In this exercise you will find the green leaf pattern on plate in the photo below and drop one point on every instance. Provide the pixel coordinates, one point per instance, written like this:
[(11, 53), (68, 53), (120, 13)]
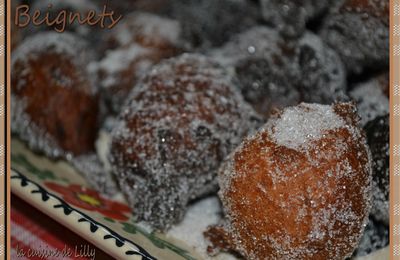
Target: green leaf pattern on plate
[(21, 160), (44, 174), (109, 219), (158, 242)]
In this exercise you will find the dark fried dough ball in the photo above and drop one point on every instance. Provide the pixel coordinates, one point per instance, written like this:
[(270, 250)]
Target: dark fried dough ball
[(378, 140), (211, 23), (140, 41), (322, 73), (274, 73), (359, 31), (290, 16), (299, 188), (375, 237), (178, 124), (264, 65), (54, 103), (372, 98)]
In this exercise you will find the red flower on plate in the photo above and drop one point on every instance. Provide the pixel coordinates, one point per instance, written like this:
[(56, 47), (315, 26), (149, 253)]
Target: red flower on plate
[(89, 199)]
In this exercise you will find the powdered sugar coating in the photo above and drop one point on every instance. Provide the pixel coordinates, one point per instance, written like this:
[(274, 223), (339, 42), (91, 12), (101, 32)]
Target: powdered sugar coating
[(139, 42), (312, 202), (96, 174), (371, 100), (118, 60), (257, 41), (118, 71), (199, 216), (146, 29), (63, 44), (176, 127)]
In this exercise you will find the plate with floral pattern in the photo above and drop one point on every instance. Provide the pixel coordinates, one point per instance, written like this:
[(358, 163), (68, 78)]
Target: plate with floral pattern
[(56, 189)]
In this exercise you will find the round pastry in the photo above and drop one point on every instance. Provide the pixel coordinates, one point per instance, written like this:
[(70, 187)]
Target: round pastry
[(372, 98), (290, 16), (211, 23), (300, 187), (54, 103), (264, 65), (176, 127), (139, 42), (322, 73), (378, 140), (359, 31), (274, 73)]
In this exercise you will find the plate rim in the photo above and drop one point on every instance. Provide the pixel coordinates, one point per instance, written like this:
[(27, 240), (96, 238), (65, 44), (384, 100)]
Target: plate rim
[(35, 194)]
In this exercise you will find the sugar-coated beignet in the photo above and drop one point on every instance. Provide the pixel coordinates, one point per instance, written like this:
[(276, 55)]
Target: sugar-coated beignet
[(300, 187), (358, 30), (140, 41), (176, 128), (274, 73), (54, 102)]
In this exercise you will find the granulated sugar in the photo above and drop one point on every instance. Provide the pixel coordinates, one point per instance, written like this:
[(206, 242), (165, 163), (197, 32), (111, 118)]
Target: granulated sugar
[(200, 215), (296, 126), (371, 101)]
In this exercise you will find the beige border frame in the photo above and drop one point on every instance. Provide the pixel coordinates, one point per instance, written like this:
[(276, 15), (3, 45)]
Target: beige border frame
[(4, 184), (8, 131), (394, 128)]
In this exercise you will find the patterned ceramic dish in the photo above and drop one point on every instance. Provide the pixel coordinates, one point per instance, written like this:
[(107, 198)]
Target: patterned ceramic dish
[(58, 191)]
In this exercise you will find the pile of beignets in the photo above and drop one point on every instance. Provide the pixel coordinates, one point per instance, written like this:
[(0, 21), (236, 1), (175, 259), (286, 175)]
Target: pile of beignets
[(280, 107)]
